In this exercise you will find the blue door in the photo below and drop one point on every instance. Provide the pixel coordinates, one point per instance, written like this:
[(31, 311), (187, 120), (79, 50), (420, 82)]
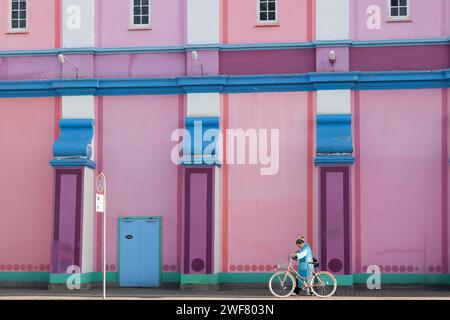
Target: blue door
[(140, 252)]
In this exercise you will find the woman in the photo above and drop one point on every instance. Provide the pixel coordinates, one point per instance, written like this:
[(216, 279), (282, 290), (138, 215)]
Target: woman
[(304, 257)]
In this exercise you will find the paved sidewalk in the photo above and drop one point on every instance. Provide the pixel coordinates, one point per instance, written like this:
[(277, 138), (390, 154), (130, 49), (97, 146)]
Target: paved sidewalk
[(357, 293)]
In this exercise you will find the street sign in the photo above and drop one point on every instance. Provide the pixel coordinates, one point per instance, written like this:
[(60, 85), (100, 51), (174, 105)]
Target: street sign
[(100, 206), (100, 183), (100, 203)]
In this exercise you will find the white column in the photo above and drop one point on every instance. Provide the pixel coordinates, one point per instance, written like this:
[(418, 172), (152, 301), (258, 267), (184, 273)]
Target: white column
[(203, 105), (78, 23), (203, 18), (333, 102), (208, 105), (332, 19), (82, 107)]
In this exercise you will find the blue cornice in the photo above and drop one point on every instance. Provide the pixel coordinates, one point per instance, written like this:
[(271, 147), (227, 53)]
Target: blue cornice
[(67, 163), (334, 160), (230, 47), (228, 84)]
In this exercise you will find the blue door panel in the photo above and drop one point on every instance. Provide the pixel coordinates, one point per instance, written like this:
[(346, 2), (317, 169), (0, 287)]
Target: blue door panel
[(140, 256)]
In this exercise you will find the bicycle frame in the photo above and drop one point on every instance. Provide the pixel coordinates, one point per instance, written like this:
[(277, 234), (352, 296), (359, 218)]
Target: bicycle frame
[(303, 280), (314, 283)]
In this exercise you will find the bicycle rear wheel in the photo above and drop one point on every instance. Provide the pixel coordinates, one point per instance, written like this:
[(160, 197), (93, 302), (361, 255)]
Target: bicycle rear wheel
[(282, 284), (323, 284)]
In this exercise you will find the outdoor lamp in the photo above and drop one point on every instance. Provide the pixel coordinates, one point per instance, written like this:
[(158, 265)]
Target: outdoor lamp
[(196, 58), (332, 57), (62, 59)]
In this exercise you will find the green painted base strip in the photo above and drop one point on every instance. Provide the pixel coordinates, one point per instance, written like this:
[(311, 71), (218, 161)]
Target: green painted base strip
[(24, 277), (244, 277), (344, 280), (85, 277), (392, 278), (171, 277), (199, 278)]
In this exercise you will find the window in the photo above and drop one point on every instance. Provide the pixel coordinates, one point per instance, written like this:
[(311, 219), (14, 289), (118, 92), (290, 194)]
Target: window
[(399, 9), (140, 14), (267, 11), (18, 15)]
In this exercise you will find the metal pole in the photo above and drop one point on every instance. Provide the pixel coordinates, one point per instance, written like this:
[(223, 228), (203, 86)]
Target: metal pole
[(104, 240)]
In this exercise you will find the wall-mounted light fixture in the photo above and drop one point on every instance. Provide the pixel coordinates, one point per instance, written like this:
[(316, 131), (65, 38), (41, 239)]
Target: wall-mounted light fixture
[(332, 57), (62, 59), (196, 58)]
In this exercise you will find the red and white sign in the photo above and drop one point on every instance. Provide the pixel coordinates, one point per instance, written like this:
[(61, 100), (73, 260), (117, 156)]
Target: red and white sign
[(100, 188)]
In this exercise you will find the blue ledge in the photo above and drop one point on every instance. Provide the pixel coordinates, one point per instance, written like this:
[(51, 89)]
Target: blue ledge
[(229, 47), (200, 161), (392, 80), (203, 136), (334, 160), (72, 162), (334, 134), (75, 138)]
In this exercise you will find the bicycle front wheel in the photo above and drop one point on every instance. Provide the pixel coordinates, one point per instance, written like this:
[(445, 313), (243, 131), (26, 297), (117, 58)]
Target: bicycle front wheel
[(323, 284), (282, 284)]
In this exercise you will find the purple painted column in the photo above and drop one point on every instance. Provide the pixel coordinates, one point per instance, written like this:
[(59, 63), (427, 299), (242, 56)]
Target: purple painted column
[(67, 219), (198, 244), (335, 219)]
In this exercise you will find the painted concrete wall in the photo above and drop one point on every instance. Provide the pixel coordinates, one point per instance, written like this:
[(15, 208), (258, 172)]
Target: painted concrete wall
[(167, 24), (41, 27), (266, 214), (78, 23), (419, 26), (401, 136), (242, 23), (142, 180), (203, 21), (26, 138), (332, 19)]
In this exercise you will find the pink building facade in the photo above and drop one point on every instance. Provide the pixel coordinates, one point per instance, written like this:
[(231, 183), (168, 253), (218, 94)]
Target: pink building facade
[(339, 109)]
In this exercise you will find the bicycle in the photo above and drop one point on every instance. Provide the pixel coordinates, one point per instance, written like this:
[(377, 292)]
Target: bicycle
[(282, 283)]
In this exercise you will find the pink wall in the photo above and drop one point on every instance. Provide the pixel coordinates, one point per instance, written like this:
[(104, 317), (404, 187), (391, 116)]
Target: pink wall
[(142, 180), (141, 65), (41, 24), (268, 213), (113, 20), (242, 23), (26, 138), (401, 136), (428, 19)]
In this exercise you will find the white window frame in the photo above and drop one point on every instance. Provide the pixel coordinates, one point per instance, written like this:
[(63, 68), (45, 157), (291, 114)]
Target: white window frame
[(27, 20), (400, 18), (267, 22), (140, 26)]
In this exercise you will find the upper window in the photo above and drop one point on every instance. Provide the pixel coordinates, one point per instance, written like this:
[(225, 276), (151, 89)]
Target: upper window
[(18, 19), (399, 9), (267, 11), (140, 13)]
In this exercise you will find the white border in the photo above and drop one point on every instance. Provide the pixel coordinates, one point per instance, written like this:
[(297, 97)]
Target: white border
[(399, 18), (18, 30), (264, 22), (147, 26)]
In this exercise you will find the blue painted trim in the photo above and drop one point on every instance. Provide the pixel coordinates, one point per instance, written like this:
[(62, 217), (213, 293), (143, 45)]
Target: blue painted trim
[(187, 161), (72, 162), (334, 134), (334, 160), (228, 84), (402, 42), (229, 47), (75, 138), (267, 46), (73, 147)]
